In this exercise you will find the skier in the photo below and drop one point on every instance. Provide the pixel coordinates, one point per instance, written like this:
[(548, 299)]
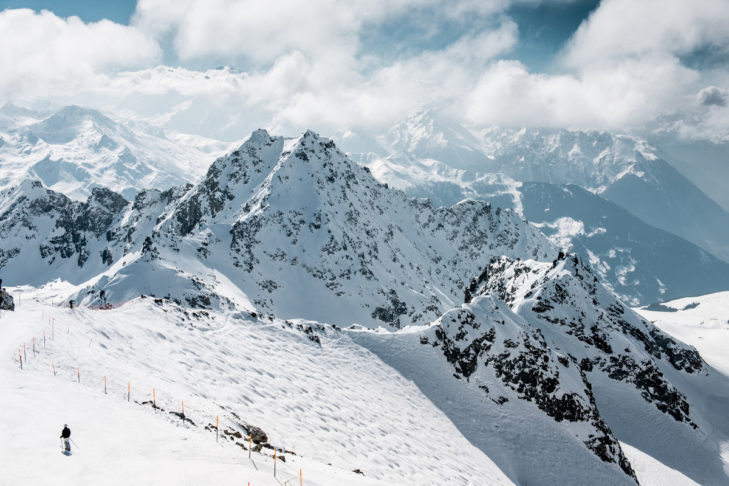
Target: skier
[(66, 438)]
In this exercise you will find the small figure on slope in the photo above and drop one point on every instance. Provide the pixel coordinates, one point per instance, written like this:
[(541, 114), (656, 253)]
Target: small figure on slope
[(66, 439)]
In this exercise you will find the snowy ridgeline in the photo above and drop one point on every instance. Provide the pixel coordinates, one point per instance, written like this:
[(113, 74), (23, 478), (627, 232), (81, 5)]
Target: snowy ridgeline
[(276, 224), (414, 343)]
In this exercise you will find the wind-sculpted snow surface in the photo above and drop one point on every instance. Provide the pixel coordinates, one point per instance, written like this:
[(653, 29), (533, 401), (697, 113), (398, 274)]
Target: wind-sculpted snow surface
[(330, 406)]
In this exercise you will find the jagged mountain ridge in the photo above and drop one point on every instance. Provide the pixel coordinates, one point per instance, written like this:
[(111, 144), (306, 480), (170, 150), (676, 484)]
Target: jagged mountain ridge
[(635, 370), (285, 222), (548, 336), (510, 394), (642, 264), (300, 211)]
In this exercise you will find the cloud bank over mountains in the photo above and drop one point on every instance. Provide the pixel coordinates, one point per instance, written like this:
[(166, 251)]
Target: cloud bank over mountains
[(652, 65)]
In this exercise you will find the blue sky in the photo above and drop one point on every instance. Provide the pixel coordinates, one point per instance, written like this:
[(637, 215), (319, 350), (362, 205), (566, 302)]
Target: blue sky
[(119, 11), (335, 65)]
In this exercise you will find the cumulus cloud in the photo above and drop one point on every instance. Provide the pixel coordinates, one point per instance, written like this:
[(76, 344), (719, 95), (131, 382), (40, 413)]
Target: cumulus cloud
[(305, 65), (713, 96), (262, 31), (621, 29), (43, 53)]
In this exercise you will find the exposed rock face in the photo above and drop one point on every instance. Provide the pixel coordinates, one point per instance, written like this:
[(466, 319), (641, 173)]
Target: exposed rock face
[(301, 209), (565, 300), (485, 342), (6, 301)]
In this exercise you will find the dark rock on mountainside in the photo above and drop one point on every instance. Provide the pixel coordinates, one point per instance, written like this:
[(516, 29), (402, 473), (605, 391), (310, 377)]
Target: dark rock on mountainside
[(564, 298)]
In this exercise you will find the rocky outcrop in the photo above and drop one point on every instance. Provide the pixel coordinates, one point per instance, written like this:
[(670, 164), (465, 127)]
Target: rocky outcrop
[(508, 357), (6, 301), (565, 300)]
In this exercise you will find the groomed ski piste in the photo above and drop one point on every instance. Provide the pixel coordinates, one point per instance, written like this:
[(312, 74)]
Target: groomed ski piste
[(329, 408)]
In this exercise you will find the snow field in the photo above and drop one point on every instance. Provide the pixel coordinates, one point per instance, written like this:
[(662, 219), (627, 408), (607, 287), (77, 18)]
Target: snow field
[(702, 322), (331, 404)]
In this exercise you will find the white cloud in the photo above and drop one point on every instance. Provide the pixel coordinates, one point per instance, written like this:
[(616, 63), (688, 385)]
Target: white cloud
[(262, 31), (303, 91), (307, 68), (42, 53), (621, 29), (621, 70), (713, 96)]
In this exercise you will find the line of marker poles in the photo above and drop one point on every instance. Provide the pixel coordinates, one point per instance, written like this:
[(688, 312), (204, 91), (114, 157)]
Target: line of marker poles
[(154, 395), (182, 403)]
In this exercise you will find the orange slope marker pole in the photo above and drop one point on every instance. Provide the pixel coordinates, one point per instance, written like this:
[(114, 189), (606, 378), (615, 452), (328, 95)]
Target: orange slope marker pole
[(274, 462), (250, 441), (183, 407), (104, 384), (78, 374), (301, 478), (217, 427), (53, 366), (25, 355), (154, 398), (20, 357)]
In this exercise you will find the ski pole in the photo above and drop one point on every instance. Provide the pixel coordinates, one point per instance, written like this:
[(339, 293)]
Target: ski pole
[(75, 444)]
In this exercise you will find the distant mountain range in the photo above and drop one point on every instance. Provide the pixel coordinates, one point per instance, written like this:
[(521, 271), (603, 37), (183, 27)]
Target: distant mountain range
[(75, 149), (620, 168)]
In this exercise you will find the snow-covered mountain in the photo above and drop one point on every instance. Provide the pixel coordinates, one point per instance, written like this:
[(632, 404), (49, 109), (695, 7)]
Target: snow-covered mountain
[(633, 368), (74, 149), (640, 263), (285, 222), (537, 364), (621, 168)]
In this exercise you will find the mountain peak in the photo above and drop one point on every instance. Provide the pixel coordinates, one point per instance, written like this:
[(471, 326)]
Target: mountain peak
[(259, 135)]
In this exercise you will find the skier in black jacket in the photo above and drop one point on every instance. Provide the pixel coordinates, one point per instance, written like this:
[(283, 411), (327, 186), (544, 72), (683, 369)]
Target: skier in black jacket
[(66, 437)]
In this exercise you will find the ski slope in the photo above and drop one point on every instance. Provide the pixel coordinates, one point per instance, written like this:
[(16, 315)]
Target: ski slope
[(334, 404)]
